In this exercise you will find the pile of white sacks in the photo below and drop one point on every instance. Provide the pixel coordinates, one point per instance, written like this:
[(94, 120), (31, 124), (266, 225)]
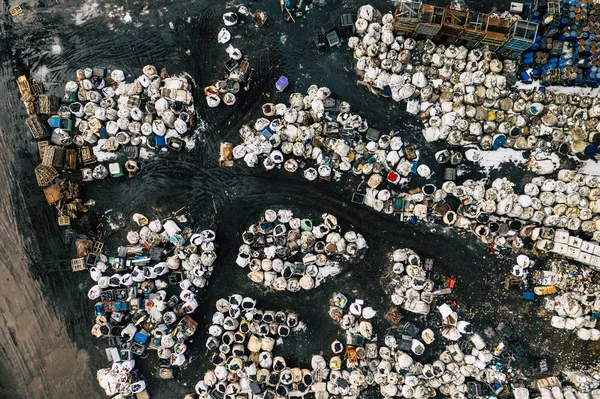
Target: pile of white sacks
[(465, 95), (244, 362), (241, 342), (284, 252), (574, 312), (320, 135), (111, 112), (570, 201), (164, 317)]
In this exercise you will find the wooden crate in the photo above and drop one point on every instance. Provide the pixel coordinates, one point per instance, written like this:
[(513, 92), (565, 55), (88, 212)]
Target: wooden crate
[(78, 264), (36, 127), (64, 221), (70, 159), (45, 175), (48, 104), (53, 194), (87, 156), (16, 10), (42, 147), (48, 157), (98, 245)]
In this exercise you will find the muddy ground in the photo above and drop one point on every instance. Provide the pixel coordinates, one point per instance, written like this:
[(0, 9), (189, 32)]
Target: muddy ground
[(47, 350)]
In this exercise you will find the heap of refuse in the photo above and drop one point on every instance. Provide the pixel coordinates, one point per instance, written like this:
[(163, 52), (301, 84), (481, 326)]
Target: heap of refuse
[(320, 135), (146, 293), (284, 252), (500, 216), (241, 341), (242, 338), (65, 197), (465, 96), (106, 113), (410, 286)]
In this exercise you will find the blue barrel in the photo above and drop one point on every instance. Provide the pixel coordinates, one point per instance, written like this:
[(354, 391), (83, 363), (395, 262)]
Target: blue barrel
[(499, 141), (590, 151), (525, 76), (573, 34)]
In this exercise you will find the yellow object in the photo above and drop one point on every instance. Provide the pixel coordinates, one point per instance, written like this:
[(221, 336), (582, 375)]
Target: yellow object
[(16, 10), (491, 115), (545, 290)]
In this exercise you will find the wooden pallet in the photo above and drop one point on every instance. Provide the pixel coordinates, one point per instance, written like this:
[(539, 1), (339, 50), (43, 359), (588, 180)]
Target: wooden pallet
[(45, 175), (98, 245)]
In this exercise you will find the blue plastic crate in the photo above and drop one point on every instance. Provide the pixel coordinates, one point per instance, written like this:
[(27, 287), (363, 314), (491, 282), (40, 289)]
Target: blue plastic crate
[(281, 83), (530, 296), (140, 338)]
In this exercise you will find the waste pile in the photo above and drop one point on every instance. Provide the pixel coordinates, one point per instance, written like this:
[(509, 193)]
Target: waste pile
[(102, 112), (465, 96), (391, 367), (410, 286), (320, 135), (241, 342), (284, 252), (242, 338), (237, 65), (499, 215), (65, 197), (146, 293)]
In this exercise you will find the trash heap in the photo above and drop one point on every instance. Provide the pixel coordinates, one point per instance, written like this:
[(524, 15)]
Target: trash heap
[(65, 197), (241, 342), (465, 96), (320, 135), (284, 252), (500, 216), (106, 113), (391, 367), (410, 286), (237, 66), (146, 293), (242, 338)]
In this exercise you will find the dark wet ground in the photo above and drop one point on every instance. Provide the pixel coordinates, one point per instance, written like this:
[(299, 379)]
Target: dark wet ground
[(236, 196)]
